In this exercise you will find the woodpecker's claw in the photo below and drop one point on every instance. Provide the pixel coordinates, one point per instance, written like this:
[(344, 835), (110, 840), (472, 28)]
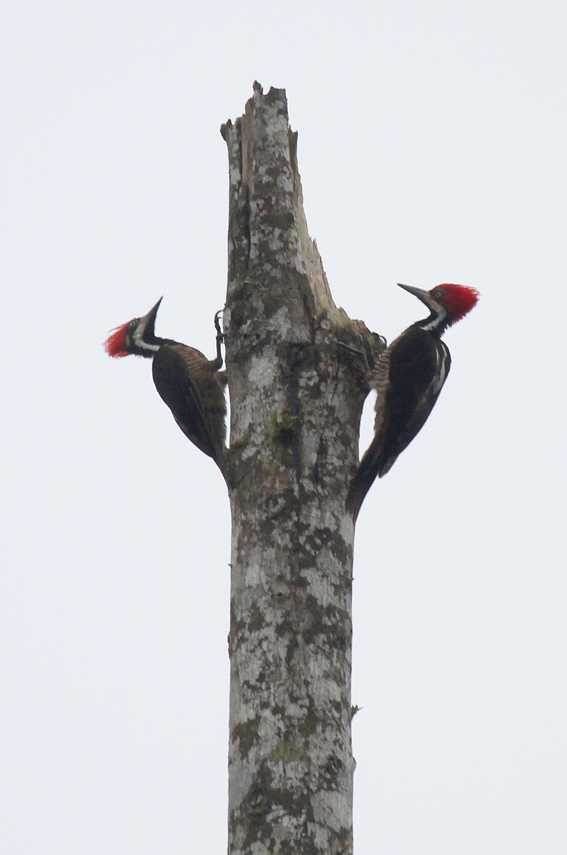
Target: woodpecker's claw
[(220, 338), (218, 326), (361, 353)]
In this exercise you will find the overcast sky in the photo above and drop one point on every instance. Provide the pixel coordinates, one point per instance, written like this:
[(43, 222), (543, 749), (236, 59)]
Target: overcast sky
[(432, 148)]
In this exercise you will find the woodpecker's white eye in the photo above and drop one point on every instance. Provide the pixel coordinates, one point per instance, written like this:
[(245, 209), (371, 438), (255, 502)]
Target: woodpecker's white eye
[(437, 294), (133, 323)]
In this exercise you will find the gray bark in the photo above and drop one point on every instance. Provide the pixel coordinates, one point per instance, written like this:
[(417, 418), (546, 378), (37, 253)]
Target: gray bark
[(296, 366)]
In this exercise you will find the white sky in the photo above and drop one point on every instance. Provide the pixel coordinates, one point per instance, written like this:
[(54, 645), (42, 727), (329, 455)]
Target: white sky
[(432, 146)]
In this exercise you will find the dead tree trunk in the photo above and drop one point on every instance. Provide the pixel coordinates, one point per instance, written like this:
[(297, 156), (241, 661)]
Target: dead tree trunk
[(296, 366)]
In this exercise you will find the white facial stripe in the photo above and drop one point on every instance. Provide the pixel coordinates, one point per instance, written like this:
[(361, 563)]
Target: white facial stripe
[(438, 319), (143, 345)]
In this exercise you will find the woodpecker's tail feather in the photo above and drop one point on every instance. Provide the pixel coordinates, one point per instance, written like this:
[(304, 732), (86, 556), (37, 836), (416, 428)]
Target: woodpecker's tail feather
[(369, 468)]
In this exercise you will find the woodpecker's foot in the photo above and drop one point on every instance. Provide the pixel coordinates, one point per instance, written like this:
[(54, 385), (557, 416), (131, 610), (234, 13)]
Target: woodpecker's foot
[(220, 338), (220, 334), (359, 353)]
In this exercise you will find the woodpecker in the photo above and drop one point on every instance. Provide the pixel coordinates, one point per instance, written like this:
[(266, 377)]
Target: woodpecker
[(408, 379), (191, 385)]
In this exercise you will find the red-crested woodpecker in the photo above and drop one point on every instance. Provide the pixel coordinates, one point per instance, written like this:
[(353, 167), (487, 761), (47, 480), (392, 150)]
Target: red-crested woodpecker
[(407, 379), (191, 385)]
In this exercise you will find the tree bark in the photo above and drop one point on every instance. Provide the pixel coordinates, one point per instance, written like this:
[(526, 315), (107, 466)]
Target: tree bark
[(296, 370)]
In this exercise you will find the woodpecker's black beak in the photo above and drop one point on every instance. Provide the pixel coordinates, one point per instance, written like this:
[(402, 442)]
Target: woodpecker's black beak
[(148, 322), (424, 296), (417, 292)]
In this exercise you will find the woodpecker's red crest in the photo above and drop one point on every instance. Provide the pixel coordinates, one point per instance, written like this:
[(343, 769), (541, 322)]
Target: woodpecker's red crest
[(115, 344), (457, 299)]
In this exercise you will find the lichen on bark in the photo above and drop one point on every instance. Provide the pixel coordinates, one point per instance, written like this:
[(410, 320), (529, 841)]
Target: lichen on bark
[(296, 366)]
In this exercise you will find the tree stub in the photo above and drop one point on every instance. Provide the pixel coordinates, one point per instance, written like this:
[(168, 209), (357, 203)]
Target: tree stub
[(296, 366)]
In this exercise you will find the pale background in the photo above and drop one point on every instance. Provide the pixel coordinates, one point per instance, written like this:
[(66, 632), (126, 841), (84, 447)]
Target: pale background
[(432, 146)]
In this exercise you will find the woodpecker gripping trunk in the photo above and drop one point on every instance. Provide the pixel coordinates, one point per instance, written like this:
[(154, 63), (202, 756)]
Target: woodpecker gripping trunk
[(408, 379), (191, 385)]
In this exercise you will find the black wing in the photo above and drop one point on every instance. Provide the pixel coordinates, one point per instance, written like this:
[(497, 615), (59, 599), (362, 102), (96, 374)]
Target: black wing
[(408, 379), (187, 383), (419, 366)]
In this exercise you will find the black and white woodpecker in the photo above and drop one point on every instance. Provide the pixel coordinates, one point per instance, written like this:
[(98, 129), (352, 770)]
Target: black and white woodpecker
[(191, 385), (408, 379)]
